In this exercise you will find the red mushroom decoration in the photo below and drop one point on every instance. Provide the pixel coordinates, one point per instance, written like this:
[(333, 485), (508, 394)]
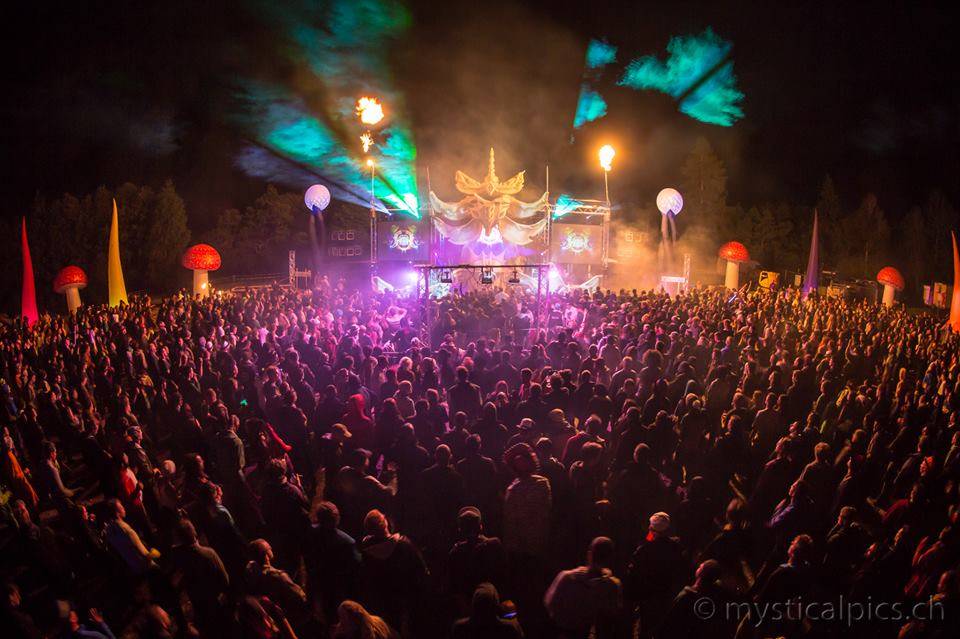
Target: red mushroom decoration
[(892, 282), (201, 258), (68, 282), (734, 253)]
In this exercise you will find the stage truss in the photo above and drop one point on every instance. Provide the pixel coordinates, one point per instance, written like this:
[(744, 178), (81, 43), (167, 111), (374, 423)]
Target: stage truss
[(424, 286)]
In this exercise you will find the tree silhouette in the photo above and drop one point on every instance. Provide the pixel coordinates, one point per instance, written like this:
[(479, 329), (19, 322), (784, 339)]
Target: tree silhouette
[(704, 186)]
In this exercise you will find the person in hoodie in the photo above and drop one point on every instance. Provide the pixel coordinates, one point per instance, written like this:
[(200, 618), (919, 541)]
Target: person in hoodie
[(485, 620), (358, 423), (393, 573), (586, 599)]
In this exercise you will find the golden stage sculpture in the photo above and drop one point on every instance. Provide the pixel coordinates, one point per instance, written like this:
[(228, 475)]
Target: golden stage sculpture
[(489, 213)]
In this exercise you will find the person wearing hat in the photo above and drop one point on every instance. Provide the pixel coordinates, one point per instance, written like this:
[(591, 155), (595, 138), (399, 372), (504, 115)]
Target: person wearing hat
[(657, 570), (331, 450)]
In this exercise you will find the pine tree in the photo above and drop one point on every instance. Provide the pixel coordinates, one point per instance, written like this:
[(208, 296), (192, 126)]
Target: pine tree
[(704, 186), (866, 232), (769, 231), (940, 218), (829, 214), (166, 238), (916, 249), (255, 240)]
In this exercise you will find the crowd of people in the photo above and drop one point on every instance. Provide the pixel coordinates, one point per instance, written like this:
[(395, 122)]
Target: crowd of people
[(336, 463)]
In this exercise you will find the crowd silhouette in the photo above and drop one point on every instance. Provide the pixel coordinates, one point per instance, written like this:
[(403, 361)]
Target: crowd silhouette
[(335, 463)]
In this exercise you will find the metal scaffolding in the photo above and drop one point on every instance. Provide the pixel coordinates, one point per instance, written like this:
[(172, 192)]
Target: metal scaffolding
[(543, 286)]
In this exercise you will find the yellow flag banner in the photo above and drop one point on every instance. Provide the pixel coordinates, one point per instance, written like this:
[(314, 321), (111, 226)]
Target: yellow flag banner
[(118, 291)]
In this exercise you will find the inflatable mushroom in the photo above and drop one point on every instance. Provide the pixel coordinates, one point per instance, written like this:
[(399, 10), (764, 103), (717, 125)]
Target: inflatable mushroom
[(734, 253), (201, 258), (892, 282), (68, 282)]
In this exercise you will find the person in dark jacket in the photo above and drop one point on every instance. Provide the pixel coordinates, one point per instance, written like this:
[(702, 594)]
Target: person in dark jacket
[(485, 620), (394, 574), (281, 501), (657, 570), (685, 620), (444, 491), (479, 475), (586, 600), (464, 395), (636, 492), (221, 531), (332, 560), (475, 558), (264, 579), (202, 573), (13, 618)]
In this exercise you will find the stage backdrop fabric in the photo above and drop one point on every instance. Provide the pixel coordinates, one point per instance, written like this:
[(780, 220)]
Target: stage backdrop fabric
[(577, 243), (401, 239)]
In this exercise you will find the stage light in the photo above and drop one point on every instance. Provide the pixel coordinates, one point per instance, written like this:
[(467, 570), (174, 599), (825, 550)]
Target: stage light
[(413, 277), (554, 278), (445, 276), (486, 276), (369, 110), (370, 162), (515, 278), (606, 155)]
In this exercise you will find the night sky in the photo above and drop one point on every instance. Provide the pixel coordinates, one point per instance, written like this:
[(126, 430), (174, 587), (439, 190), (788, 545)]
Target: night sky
[(108, 92)]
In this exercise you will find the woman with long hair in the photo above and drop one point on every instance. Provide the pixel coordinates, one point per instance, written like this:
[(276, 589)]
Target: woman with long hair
[(354, 622)]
